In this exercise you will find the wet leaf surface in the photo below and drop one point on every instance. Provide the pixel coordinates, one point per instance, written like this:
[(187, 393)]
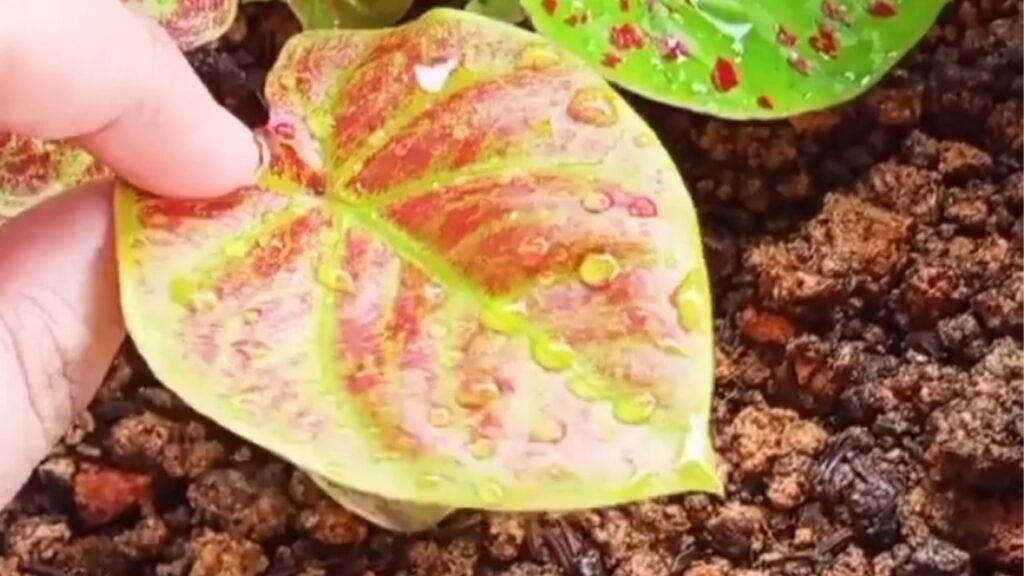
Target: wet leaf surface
[(738, 59), (471, 277)]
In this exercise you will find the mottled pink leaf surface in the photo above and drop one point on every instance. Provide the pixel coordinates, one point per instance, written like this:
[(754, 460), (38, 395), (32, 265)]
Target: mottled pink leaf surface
[(190, 23), (470, 277), (32, 170)]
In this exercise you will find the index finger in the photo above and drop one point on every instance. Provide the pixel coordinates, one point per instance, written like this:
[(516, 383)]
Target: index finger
[(96, 73)]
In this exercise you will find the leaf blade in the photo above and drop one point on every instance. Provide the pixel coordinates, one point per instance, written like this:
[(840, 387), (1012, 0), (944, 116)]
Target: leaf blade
[(393, 361)]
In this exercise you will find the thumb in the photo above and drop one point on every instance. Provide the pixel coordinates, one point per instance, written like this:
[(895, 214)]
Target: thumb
[(60, 322)]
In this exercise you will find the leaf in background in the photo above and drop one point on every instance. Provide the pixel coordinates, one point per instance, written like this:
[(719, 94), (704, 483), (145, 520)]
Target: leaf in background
[(191, 23), (470, 277), (505, 10), (322, 14), (736, 59), (32, 170)]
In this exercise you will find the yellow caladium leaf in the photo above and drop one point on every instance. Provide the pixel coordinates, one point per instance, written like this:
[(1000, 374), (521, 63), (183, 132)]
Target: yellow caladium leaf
[(470, 276)]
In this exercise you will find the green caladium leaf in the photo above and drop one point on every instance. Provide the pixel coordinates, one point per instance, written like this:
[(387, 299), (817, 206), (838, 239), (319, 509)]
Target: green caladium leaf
[(322, 14), (394, 515), (736, 59), (505, 10), (32, 170), (470, 276)]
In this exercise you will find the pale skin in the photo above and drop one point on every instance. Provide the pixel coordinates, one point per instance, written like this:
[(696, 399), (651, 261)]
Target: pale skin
[(94, 72)]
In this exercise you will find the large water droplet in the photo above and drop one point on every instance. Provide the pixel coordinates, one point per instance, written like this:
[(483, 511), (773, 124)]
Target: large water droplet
[(636, 409), (552, 355), (482, 448), (596, 202), (537, 56), (439, 416), (599, 270), (476, 395), (490, 492), (504, 317), (547, 430), (593, 106), (432, 78), (330, 276), (689, 304)]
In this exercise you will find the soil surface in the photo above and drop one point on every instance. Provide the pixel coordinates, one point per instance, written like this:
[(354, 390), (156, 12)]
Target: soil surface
[(869, 297)]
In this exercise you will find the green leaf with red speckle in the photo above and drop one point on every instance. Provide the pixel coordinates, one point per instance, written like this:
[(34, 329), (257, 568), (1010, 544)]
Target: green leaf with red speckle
[(33, 170), (322, 14), (190, 23), (470, 276), (736, 59)]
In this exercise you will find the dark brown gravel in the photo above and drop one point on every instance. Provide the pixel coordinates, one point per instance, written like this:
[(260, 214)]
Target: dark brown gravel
[(866, 263)]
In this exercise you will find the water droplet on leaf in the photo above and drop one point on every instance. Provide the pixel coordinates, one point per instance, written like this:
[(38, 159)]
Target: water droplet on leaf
[(188, 292), (533, 249), (476, 395), (589, 387), (536, 56), (599, 270), (490, 492), (547, 430), (636, 409), (552, 355), (593, 106), (432, 78), (330, 276), (689, 304), (596, 202), (439, 416), (504, 318), (481, 448), (252, 315)]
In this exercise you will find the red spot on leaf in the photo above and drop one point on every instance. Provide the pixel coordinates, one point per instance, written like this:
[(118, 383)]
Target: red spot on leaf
[(825, 41), (611, 59), (833, 10), (800, 64), (765, 102), (628, 36), (102, 494), (725, 75), (882, 9), (785, 36), (673, 49), (578, 16), (550, 6)]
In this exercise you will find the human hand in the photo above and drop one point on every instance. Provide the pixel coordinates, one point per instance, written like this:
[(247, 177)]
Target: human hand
[(114, 83)]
